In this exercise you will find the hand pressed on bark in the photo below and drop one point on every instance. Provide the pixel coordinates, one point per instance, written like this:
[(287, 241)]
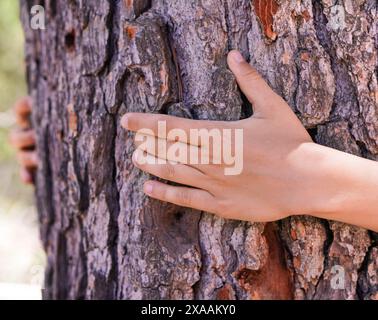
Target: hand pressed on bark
[(23, 139), (284, 171)]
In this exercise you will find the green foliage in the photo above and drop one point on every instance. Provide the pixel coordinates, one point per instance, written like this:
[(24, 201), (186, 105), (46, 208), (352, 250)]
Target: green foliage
[(19, 248), (12, 87), (12, 83)]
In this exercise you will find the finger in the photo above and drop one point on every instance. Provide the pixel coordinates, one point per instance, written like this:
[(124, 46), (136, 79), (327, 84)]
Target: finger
[(179, 151), (169, 127), (251, 83), (181, 196), (23, 139), (26, 176), (28, 159), (23, 109), (171, 171)]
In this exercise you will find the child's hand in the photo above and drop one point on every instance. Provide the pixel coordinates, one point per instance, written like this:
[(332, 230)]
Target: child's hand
[(284, 172), (276, 179), (23, 139)]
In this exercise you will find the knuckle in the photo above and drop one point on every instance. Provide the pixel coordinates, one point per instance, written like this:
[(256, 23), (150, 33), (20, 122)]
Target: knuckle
[(252, 75), (184, 197), (169, 171)]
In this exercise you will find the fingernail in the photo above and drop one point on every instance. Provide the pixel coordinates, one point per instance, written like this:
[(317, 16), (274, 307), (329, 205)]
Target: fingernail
[(124, 121), (148, 188), (237, 57)]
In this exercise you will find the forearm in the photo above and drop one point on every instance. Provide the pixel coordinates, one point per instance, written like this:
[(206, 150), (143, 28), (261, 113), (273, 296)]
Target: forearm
[(345, 187)]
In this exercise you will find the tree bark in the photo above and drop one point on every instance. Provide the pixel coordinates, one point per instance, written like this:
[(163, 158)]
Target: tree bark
[(97, 60)]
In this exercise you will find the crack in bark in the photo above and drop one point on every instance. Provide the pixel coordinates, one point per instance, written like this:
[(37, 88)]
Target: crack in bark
[(327, 245), (173, 55), (112, 23), (227, 20), (362, 272), (196, 287), (114, 216)]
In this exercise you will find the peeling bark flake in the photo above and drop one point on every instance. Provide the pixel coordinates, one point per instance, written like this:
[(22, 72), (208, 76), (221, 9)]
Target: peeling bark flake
[(265, 10)]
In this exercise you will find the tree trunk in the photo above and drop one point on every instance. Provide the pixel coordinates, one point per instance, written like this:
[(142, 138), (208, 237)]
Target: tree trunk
[(97, 60)]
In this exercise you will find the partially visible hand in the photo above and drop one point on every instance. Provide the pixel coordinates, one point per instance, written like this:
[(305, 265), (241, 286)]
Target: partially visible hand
[(23, 139), (276, 179)]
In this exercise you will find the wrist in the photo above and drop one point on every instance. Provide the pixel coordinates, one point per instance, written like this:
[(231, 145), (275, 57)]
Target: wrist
[(322, 188), (338, 186)]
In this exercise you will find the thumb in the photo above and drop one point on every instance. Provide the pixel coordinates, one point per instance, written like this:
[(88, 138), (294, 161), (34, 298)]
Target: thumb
[(251, 83)]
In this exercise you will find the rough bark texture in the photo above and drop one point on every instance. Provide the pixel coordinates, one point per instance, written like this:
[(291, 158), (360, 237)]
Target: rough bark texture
[(99, 59)]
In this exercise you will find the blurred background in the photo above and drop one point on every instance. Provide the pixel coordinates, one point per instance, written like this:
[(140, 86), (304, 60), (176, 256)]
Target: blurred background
[(21, 255)]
